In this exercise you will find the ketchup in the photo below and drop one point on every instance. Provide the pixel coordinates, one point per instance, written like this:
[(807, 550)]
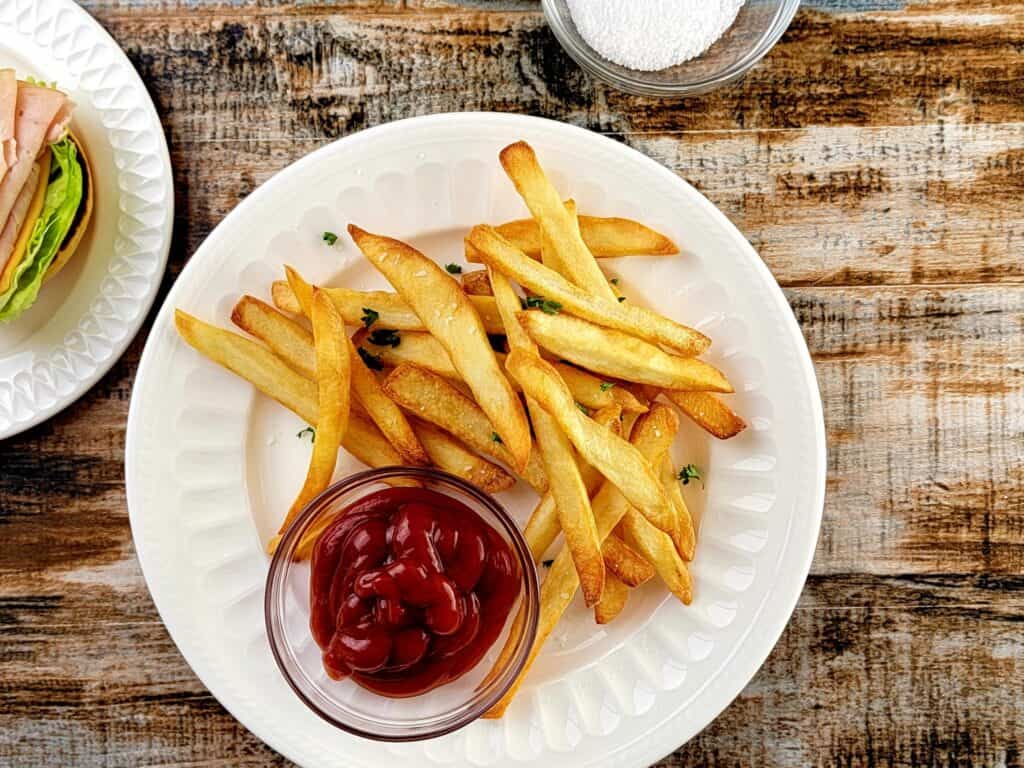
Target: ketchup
[(408, 589)]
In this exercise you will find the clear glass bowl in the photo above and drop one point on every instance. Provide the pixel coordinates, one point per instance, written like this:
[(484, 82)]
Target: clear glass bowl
[(757, 28), (347, 705)]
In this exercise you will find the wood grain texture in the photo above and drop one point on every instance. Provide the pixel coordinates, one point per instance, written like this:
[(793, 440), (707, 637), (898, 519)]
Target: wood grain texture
[(875, 160)]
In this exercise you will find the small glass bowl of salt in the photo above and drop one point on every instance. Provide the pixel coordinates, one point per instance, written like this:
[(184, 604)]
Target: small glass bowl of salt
[(671, 48)]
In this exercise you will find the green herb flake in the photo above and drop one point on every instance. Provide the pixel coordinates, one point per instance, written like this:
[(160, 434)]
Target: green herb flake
[(496, 437), (606, 385), (453, 269), (384, 338), (547, 306), (621, 299), (690, 472), (583, 409), (308, 430), (370, 316), (330, 238), (372, 361)]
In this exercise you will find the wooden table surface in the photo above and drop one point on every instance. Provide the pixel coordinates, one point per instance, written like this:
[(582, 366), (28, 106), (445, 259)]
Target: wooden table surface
[(875, 159)]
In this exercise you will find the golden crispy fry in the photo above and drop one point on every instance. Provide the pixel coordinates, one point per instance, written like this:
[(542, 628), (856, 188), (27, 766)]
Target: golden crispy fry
[(595, 392), (264, 370), (450, 317), (710, 413), (432, 398), (543, 527), (605, 237), (498, 253), (334, 376), (616, 354), (388, 417), (616, 459), (628, 565), (286, 338), (651, 437), (417, 347), (567, 254), (660, 550), (393, 312), (476, 283), (572, 501), (684, 536), (616, 593), (450, 455)]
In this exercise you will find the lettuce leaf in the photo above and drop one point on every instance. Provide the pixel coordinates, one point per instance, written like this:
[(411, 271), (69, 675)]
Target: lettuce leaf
[(63, 196)]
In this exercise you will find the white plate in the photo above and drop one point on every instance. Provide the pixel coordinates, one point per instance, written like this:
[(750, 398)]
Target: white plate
[(210, 466), (85, 318)]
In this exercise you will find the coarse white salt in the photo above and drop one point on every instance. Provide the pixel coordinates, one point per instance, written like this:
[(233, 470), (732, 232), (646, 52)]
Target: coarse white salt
[(649, 35)]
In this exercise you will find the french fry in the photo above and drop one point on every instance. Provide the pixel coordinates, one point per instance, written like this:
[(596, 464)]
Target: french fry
[(651, 437), (388, 417), (450, 455), (265, 371), (616, 459), (424, 350), (416, 347), (334, 375), (543, 527), (616, 593), (628, 565), (498, 253), (709, 412), (595, 392), (605, 237), (450, 317), (567, 254), (619, 355), (572, 502), (476, 283), (286, 338), (432, 398), (393, 313), (684, 536), (660, 550)]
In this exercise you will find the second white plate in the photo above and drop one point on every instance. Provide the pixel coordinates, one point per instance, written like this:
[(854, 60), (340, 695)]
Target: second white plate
[(210, 465)]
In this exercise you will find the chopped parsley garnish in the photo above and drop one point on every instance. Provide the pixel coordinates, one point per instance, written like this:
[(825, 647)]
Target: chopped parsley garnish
[(548, 563), (621, 299), (547, 306), (690, 472), (302, 433), (583, 409), (453, 269), (496, 437), (606, 385), (370, 316), (614, 281), (330, 238), (372, 361), (385, 338)]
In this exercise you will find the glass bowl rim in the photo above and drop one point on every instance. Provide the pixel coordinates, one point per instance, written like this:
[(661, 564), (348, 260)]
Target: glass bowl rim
[(490, 692), (642, 85)]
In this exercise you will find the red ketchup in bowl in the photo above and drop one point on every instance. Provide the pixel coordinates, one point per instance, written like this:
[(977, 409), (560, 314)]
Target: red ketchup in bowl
[(408, 589)]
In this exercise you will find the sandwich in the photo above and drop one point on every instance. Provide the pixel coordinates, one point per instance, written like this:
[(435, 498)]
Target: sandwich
[(46, 189)]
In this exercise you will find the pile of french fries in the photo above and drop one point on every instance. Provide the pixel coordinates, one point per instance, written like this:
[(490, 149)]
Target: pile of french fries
[(570, 387)]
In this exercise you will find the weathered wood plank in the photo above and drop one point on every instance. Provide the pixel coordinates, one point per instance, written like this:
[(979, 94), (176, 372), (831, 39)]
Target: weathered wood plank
[(323, 75)]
